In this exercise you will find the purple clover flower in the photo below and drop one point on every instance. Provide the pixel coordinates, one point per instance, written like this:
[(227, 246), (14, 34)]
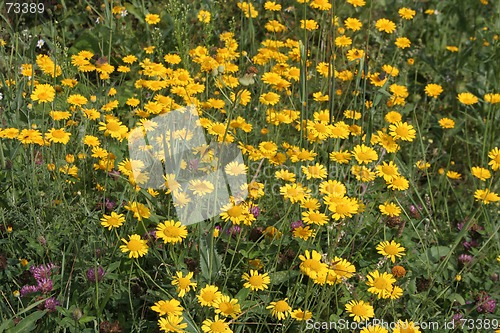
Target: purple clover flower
[(25, 290), (92, 274), (51, 303), (485, 303), (297, 224)]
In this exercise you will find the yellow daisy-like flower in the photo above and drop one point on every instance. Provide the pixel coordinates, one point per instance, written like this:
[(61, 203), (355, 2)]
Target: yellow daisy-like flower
[(183, 283), (403, 131), (112, 221), (208, 295), (140, 210), (357, 3), (341, 207), (43, 93), (385, 25), (486, 196), (171, 231), (317, 171), (58, 135), (446, 123), (402, 42), (227, 306), (135, 246), (164, 308), (341, 157), (309, 25), (374, 329), (453, 174), (204, 16), (172, 323), (77, 100), (311, 264), (387, 170), (390, 209), (235, 168), (405, 327), (353, 24), (360, 310), (272, 6), (201, 187), (467, 98), (494, 155), (380, 284), (256, 281), (270, 98), (216, 325), (481, 173), (406, 13), (152, 19), (280, 309), (393, 117), (300, 314), (433, 90), (390, 250), (303, 232), (364, 154)]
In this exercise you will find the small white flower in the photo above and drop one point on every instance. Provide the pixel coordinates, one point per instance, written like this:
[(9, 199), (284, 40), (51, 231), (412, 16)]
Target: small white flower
[(40, 43), (1, 96), (124, 13)]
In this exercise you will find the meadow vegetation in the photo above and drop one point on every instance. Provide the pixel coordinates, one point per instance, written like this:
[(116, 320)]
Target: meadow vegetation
[(370, 137)]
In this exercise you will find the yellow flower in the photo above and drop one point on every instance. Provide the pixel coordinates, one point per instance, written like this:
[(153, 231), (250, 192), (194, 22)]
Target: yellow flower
[(486, 196), (446, 123), (390, 209), (227, 307), (385, 25), (208, 295), (152, 19), (406, 13), (380, 284), (494, 155), (309, 25), (112, 221), (433, 90), (58, 135), (360, 310), (166, 308), (272, 6), (402, 42), (357, 3), (183, 283), (270, 98), (467, 98), (215, 326), (280, 309), (403, 131), (136, 246), (172, 323), (300, 314), (204, 16), (353, 24), (390, 249), (311, 264), (405, 327), (481, 173), (171, 231), (364, 154), (43, 93)]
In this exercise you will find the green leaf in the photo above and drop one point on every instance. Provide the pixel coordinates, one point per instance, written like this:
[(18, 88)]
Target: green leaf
[(282, 276), (28, 323), (191, 326), (210, 260), (454, 297)]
